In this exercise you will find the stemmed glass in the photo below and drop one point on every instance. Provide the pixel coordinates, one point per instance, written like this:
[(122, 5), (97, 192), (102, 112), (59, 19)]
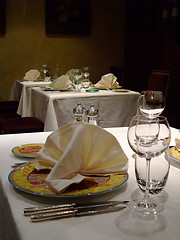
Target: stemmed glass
[(86, 77), (76, 76), (151, 103), (148, 138)]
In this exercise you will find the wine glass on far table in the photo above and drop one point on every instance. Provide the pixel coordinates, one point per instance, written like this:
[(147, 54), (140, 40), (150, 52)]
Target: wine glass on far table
[(148, 138), (151, 103), (76, 77), (86, 77)]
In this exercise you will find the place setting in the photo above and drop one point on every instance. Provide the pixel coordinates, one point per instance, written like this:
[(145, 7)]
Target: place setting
[(62, 170), (33, 75), (60, 84), (26, 152), (109, 82)]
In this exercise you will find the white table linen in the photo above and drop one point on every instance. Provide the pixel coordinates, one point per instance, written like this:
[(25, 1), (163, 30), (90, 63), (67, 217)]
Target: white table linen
[(98, 227), (56, 108), (21, 91)]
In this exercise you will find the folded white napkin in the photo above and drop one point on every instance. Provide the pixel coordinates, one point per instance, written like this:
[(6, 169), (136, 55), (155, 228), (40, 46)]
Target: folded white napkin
[(78, 149), (32, 74), (70, 72), (107, 81), (62, 82), (177, 140)]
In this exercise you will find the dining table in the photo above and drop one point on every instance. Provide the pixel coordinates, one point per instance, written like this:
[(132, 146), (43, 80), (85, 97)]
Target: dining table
[(21, 92), (118, 225), (55, 108)]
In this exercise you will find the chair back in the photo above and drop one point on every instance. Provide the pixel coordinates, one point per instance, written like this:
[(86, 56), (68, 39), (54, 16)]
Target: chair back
[(159, 81)]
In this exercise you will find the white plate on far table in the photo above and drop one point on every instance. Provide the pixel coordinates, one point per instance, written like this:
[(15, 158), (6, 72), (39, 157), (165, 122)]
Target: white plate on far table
[(46, 88)]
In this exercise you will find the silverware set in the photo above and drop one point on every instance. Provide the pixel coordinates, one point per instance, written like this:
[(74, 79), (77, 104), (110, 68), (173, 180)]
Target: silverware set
[(73, 210)]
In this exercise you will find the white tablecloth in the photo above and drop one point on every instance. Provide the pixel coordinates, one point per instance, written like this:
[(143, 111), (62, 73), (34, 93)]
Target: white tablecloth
[(98, 227), (21, 91), (56, 108)]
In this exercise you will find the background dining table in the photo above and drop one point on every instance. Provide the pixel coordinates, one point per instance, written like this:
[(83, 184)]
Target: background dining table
[(20, 87), (21, 92), (115, 225), (55, 108)]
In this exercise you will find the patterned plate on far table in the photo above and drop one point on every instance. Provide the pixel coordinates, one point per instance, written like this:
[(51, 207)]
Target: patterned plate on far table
[(120, 90), (175, 154), (104, 88), (27, 150), (26, 178)]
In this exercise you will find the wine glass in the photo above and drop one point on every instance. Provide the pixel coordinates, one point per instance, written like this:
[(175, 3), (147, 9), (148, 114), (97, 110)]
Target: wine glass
[(86, 77), (76, 77), (46, 73), (151, 103), (148, 138)]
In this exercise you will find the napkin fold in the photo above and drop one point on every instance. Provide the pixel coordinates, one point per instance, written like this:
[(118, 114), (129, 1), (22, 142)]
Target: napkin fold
[(62, 82), (177, 140), (79, 149), (107, 81), (32, 74), (70, 72)]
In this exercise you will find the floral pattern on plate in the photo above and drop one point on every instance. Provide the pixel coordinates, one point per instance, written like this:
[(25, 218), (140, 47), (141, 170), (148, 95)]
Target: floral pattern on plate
[(175, 154), (27, 150), (26, 178)]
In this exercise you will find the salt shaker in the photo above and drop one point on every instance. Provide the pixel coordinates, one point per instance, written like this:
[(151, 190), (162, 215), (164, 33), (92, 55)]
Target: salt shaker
[(92, 115), (79, 113)]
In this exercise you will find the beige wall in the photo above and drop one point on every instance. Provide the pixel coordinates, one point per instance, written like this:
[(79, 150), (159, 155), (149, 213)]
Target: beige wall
[(26, 47)]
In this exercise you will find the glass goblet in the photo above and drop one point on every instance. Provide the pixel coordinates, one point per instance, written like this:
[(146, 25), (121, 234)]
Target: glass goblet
[(76, 77), (86, 77), (148, 138), (151, 103), (159, 171)]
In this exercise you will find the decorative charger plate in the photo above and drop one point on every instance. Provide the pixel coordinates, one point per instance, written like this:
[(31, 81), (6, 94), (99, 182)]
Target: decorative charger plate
[(47, 88), (27, 150), (35, 80), (103, 88), (175, 154), (26, 178), (120, 90), (61, 90)]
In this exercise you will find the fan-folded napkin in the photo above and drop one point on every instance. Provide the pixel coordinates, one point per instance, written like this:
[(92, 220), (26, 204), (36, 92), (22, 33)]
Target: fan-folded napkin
[(32, 74), (177, 141), (75, 150), (62, 82), (107, 81), (70, 72)]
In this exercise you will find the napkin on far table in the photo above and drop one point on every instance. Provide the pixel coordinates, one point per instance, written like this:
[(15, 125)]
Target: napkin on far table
[(107, 81), (177, 140), (78, 149), (62, 82), (32, 74)]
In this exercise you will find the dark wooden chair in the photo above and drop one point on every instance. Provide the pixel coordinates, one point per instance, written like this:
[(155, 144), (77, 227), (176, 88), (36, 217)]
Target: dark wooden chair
[(8, 109), (159, 81), (21, 125)]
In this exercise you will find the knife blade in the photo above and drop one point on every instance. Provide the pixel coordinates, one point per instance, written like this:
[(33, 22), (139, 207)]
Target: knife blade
[(73, 213), (70, 206)]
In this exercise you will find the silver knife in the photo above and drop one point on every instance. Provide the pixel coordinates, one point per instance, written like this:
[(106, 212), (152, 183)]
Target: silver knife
[(70, 206), (73, 213)]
